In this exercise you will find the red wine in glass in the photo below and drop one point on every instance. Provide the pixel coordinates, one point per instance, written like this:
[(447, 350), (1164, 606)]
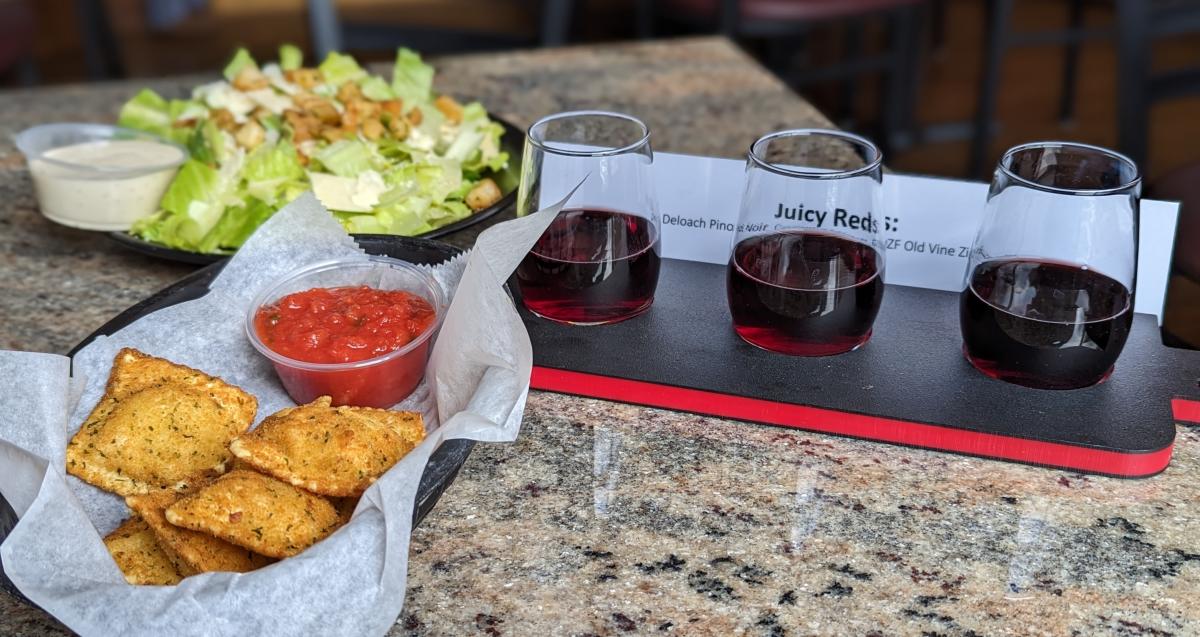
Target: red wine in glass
[(804, 292), (592, 266), (1044, 324)]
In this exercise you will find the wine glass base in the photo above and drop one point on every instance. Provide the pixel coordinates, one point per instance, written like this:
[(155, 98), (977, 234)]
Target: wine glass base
[(989, 369), (788, 347), (609, 320)]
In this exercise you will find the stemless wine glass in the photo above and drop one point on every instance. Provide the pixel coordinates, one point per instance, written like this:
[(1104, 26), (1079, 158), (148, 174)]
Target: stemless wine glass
[(1047, 299), (805, 274), (598, 261)]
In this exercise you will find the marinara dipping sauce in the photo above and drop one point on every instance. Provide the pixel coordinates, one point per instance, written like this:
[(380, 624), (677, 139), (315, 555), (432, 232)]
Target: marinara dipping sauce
[(363, 344), (342, 325)]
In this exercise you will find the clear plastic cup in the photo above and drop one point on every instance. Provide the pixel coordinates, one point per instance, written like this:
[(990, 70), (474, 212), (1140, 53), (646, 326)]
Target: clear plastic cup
[(98, 177), (382, 381)]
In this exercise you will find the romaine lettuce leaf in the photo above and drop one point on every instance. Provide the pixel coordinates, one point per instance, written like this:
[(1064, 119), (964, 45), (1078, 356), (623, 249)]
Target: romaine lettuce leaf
[(181, 110), (193, 203), (148, 111), (347, 157), (467, 143), (412, 79), (290, 57), (242, 59), (362, 224), (406, 216), (477, 145), (195, 181), (235, 226), (433, 125), (434, 180), (338, 69), (269, 169), (145, 111), (208, 143), (375, 88), (477, 167)]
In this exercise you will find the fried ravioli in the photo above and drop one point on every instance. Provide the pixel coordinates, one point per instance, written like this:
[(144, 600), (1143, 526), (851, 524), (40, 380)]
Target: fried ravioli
[(137, 553), (157, 424), (257, 512), (334, 451), (191, 551)]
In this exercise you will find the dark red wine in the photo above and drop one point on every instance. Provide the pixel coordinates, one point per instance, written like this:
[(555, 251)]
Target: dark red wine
[(1044, 324), (592, 266), (804, 293)]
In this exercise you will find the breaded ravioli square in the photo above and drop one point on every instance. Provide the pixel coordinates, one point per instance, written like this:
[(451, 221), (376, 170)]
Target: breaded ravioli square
[(137, 553), (191, 551), (334, 451), (257, 512), (157, 424)]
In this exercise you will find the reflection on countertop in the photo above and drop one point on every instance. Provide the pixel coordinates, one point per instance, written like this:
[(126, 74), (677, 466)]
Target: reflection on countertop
[(608, 519)]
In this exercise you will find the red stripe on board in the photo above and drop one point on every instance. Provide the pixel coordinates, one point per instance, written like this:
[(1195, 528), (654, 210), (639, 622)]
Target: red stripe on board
[(877, 428), (1186, 410)]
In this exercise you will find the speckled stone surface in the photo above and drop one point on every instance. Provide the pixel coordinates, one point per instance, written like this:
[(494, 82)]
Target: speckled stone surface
[(609, 519)]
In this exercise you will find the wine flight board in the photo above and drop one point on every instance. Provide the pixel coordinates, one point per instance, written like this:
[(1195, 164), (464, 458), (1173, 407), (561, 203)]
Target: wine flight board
[(909, 385)]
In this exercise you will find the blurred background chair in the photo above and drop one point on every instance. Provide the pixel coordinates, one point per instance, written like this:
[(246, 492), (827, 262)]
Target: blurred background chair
[(1139, 86), (1181, 321), (431, 26), (779, 31), (16, 43), (101, 50), (1137, 25), (380, 29)]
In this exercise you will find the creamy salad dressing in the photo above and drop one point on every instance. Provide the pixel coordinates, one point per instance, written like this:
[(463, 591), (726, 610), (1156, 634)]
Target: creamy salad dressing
[(104, 185)]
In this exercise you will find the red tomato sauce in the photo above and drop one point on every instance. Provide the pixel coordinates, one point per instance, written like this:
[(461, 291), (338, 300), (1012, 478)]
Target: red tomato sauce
[(342, 325)]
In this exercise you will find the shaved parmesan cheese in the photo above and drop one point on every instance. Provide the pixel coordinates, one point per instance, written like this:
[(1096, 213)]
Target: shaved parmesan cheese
[(270, 100), (349, 194)]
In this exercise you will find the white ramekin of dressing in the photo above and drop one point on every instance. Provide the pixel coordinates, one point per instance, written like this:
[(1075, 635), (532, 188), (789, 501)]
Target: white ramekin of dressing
[(98, 177)]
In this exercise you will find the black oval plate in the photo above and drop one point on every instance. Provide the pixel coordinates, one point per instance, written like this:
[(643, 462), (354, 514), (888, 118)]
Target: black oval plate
[(513, 141), (443, 464)]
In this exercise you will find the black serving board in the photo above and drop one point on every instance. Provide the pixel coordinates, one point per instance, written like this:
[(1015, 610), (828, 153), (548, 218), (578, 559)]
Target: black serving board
[(446, 460), (909, 385), (512, 142)]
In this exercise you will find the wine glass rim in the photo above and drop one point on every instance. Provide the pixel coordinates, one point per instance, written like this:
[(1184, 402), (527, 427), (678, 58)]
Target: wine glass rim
[(872, 165), (1092, 192), (604, 152)]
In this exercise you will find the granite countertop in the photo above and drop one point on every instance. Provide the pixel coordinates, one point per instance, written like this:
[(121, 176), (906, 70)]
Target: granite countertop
[(610, 519)]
